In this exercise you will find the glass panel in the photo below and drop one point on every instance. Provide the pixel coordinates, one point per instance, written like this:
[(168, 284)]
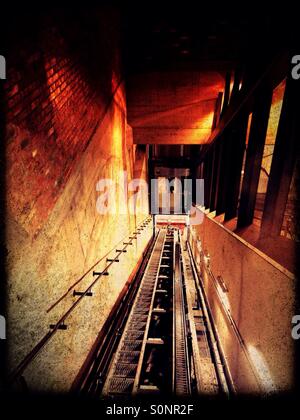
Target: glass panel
[(273, 121)]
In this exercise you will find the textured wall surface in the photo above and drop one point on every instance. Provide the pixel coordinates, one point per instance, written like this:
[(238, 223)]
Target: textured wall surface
[(59, 148), (174, 107), (59, 84), (253, 317)]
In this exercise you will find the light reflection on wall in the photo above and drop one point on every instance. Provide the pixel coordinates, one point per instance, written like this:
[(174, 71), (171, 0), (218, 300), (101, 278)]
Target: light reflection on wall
[(223, 297), (266, 163), (261, 368), (231, 84), (117, 135), (206, 120), (118, 91), (274, 116)]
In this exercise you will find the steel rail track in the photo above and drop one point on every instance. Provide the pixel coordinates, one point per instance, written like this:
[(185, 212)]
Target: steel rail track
[(181, 366), (126, 364), (167, 345)]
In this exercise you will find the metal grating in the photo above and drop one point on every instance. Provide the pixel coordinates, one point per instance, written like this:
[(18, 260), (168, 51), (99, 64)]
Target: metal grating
[(120, 377)]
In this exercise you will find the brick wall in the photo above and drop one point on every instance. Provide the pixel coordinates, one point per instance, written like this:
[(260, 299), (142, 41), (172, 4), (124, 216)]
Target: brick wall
[(57, 91)]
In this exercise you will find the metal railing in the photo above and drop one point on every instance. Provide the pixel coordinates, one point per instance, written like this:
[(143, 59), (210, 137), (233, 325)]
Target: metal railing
[(17, 373)]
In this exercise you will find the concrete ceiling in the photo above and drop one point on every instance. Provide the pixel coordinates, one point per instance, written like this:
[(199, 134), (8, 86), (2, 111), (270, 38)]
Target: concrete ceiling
[(174, 107)]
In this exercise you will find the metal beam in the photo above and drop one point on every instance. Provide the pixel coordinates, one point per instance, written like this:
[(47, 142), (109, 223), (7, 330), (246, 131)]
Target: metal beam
[(244, 100), (226, 93), (254, 156), (217, 112), (216, 176), (237, 140), (208, 177), (284, 157), (224, 167)]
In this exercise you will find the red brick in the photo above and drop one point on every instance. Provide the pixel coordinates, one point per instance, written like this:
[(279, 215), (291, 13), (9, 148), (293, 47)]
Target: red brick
[(13, 91)]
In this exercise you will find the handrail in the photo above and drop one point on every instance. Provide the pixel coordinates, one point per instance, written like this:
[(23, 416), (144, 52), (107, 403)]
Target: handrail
[(41, 344), (110, 332), (88, 271)]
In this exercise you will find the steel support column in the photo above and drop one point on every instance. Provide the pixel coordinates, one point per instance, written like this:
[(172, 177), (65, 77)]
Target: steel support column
[(254, 156), (283, 163), (237, 140)]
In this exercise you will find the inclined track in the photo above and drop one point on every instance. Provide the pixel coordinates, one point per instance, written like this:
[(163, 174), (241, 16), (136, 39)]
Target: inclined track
[(181, 376), (126, 362), (168, 344)]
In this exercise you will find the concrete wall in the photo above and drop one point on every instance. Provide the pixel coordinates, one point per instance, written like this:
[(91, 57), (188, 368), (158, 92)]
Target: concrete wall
[(60, 234), (253, 318)]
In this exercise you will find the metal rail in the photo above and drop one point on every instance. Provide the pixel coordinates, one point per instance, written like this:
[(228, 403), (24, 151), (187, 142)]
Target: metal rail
[(126, 366), (181, 367), (168, 344), (60, 323), (93, 374), (217, 357), (154, 374)]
